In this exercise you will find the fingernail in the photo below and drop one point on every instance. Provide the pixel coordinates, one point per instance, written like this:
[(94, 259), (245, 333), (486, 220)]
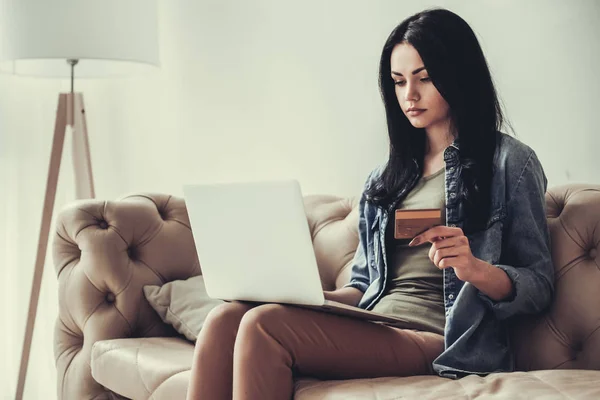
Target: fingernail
[(415, 242)]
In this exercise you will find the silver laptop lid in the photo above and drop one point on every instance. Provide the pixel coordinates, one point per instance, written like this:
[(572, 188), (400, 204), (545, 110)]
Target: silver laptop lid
[(253, 242)]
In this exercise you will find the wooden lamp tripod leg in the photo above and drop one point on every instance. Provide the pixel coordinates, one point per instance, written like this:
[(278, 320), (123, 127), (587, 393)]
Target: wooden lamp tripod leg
[(53, 169), (84, 181), (70, 111)]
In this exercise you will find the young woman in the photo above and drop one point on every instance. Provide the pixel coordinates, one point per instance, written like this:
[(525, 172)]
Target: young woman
[(462, 281)]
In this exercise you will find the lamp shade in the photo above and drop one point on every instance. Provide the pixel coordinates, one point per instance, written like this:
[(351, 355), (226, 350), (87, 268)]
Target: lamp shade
[(109, 37)]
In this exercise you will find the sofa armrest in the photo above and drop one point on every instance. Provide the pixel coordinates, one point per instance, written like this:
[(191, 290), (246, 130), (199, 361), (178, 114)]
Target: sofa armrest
[(566, 335), (104, 253)]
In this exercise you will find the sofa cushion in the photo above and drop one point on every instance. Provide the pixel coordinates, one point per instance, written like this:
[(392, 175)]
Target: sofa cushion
[(182, 303), (143, 368), (545, 384), (159, 368)]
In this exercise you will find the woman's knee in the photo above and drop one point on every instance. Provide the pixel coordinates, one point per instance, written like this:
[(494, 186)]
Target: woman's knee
[(225, 316), (263, 316)]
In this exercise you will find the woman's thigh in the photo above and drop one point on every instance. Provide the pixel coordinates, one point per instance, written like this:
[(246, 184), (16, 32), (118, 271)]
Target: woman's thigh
[(337, 347)]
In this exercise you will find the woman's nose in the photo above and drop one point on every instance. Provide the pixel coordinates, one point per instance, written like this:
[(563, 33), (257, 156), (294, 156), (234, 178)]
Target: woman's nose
[(411, 93)]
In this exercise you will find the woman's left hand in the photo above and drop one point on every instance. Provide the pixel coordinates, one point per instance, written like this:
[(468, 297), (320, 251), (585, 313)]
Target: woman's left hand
[(450, 248)]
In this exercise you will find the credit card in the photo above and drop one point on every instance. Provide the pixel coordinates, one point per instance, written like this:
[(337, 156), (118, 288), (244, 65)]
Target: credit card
[(410, 223)]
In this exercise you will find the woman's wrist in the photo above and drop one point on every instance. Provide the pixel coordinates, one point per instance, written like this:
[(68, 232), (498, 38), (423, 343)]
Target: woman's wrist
[(492, 281), (348, 295)]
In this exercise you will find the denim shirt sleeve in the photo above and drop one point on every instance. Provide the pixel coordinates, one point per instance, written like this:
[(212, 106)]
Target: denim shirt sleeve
[(359, 276), (526, 252)]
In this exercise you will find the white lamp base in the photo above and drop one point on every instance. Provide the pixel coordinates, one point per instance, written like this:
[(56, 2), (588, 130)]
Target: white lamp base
[(70, 112)]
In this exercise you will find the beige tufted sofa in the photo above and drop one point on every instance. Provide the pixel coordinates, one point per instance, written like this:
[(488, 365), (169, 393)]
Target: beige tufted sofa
[(110, 344)]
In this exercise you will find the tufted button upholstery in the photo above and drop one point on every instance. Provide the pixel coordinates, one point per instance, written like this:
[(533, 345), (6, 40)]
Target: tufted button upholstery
[(104, 253), (132, 253), (568, 335), (147, 240), (110, 297)]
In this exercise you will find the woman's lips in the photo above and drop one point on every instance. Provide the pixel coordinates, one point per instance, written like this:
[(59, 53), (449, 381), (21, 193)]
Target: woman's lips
[(415, 112)]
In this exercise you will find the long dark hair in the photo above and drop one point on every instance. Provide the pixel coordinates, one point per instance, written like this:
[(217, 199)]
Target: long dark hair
[(457, 67)]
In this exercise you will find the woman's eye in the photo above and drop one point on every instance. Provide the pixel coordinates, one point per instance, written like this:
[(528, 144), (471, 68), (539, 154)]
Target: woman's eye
[(400, 83)]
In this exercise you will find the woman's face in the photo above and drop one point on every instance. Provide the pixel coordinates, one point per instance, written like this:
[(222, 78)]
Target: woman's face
[(414, 89)]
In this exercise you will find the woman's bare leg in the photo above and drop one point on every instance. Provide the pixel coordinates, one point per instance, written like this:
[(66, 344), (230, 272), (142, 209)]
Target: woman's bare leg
[(212, 366)]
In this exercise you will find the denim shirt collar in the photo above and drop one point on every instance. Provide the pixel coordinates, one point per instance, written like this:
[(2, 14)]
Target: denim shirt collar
[(451, 152)]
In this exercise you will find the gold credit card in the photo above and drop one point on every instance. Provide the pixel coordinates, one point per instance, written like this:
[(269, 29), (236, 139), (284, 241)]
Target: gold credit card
[(410, 223)]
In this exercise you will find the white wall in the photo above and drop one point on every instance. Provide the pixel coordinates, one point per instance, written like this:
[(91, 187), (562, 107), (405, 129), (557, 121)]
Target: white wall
[(267, 89)]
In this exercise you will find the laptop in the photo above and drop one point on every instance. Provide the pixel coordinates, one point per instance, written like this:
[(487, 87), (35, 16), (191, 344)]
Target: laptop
[(254, 244)]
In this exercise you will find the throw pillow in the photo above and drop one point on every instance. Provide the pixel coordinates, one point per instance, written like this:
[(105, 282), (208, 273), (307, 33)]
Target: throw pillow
[(183, 303)]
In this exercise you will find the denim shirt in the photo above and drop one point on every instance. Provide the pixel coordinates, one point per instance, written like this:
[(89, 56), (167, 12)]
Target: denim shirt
[(516, 239)]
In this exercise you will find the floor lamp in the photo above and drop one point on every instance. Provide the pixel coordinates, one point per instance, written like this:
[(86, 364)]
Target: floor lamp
[(98, 39)]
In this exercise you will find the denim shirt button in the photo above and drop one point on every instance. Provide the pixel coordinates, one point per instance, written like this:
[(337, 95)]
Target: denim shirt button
[(450, 296), (452, 226)]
